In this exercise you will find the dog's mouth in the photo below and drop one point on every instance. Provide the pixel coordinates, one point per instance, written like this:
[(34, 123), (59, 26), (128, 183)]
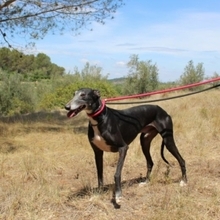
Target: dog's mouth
[(73, 113)]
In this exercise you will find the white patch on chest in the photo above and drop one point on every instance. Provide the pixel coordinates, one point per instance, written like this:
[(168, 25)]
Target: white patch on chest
[(99, 141), (101, 144)]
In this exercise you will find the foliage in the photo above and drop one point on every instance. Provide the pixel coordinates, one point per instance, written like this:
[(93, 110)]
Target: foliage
[(19, 96), (192, 74), (143, 76), (89, 76), (215, 75), (34, 18), (31, 67), (15, 95), (90, 72), (167, 85)]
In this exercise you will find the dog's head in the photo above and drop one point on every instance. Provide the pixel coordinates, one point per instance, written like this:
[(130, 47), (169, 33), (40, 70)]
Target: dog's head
[(83, 99)]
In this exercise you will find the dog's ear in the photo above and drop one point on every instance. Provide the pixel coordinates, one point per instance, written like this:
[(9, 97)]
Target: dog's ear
[(97, 93)]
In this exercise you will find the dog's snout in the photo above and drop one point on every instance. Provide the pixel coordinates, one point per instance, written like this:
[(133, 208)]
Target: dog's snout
[(67, 107)]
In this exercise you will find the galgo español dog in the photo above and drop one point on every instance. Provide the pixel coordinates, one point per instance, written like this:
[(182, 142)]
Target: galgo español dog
[(113, 130)]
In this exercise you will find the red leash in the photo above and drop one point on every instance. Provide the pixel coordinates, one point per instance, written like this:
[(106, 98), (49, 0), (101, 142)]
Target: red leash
[(162, 91)]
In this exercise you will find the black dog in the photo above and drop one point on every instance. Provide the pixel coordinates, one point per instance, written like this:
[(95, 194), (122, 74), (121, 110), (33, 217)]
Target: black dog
[(113, 130)]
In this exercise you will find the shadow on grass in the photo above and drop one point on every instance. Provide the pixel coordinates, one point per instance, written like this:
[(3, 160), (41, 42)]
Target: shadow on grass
[(41, 116), (88, 191), (55, 121)]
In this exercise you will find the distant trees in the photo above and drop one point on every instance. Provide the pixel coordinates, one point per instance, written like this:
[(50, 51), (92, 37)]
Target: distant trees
[(142, 77), (192, 74), (215, 75), (30, 83), (90, 73), (29, 66), (20, 96)]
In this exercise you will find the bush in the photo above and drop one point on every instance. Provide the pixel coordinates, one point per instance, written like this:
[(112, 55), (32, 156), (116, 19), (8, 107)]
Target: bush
[(63, 94), (16, 96)]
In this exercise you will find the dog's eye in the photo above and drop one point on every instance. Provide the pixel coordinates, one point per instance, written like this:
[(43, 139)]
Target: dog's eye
[(82, 95)]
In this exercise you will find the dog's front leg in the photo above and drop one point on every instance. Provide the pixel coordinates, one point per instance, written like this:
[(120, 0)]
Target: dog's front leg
[(122, 155), (99, 164), (99, 167)]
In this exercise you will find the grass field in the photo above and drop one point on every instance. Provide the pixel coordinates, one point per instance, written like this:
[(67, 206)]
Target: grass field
[(47, 168)]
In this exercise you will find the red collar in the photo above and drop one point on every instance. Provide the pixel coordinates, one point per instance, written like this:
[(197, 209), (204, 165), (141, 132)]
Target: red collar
[(99, 111)]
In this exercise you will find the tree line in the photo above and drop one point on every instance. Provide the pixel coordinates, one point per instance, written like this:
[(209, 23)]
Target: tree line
[(31, 67), (31, 83)]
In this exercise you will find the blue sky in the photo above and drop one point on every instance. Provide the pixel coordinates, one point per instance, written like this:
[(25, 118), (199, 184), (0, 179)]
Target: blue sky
[(169, 33)]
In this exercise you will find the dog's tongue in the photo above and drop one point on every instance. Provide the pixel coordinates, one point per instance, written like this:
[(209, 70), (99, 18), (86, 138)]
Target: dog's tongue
[(71, 114)]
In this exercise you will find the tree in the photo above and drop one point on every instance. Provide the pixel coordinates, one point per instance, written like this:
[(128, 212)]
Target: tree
[(192, 74), (31, 67), (91, 72), (35, 18), (215, 75), (142, 77)]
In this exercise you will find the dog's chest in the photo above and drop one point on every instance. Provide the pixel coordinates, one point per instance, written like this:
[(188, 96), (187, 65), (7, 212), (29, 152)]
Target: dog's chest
[(100, 142)]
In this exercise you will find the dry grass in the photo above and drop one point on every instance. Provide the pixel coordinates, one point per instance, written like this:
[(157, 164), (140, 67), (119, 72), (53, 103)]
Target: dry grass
[(47, 168)]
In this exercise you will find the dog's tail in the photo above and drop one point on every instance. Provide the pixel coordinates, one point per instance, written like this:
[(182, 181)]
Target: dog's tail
[(162, 154)]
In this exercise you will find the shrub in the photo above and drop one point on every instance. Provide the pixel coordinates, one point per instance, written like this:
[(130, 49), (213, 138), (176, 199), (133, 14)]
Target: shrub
[(15, 95), (62, 95)]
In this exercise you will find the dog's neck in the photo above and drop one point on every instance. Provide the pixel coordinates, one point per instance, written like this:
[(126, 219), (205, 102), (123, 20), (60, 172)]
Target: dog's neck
[(98, 111)]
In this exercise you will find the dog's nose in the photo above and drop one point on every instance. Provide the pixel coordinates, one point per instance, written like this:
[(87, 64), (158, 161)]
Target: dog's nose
[(67, 107)]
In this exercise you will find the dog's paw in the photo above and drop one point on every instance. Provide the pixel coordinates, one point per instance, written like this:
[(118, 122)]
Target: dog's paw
[(144, 183), (118, 199), (183, 183), (141, 184)]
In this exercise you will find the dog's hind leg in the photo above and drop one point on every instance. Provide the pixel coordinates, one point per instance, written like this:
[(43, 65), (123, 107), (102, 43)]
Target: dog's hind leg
[(171, 147), (145, 140), (165, 126)]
